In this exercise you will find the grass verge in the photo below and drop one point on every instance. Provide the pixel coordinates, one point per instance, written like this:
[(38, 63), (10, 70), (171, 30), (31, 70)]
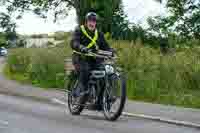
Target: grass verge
[(171, 79)]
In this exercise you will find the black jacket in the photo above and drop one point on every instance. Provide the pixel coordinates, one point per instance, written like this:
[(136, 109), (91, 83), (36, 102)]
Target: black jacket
[(78, 38)]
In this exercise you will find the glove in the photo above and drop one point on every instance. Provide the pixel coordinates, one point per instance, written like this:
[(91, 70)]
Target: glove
[(84, 50), (113, 52)]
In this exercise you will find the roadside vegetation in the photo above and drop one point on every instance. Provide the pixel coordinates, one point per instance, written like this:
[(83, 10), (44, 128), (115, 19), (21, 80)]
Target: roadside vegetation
[(171, 78), (161, 61)]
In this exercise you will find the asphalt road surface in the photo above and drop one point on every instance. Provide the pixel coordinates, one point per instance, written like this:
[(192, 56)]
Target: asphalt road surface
[(20, 115)]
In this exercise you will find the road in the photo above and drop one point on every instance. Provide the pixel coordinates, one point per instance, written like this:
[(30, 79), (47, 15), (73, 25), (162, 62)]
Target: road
[(20, 115), (2, 60)]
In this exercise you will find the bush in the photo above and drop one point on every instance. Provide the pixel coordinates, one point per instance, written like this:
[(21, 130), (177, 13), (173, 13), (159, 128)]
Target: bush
[(3, 42), (169, 79), (41, 65), (19, 60)]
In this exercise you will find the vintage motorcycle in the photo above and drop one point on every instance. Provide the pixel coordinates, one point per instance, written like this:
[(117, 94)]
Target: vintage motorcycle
[(106, 88)]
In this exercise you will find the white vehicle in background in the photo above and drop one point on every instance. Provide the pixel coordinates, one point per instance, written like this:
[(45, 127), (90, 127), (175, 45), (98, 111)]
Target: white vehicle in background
[(3, 51)]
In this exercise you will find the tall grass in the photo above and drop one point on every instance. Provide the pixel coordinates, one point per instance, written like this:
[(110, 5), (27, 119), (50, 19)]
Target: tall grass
[(41, 66), (169, 79)]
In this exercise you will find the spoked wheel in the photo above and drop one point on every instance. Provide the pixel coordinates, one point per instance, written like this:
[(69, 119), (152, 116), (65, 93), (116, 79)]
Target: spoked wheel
[(114, 97), (75, 103)]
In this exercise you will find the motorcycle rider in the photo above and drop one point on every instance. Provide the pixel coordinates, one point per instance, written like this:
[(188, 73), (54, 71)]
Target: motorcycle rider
[(87, 38)]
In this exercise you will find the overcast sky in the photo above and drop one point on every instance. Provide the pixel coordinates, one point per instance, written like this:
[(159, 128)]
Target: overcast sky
[(137, 11)]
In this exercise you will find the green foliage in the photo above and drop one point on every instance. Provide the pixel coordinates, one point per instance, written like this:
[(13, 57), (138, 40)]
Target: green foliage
[(9, 28), (3, 40), (104, 8), (153, 77), (60, 8), (18, 62), (120, 24), (169, 79), (183, 19), (122, 29), (40, 66), (6, 22)]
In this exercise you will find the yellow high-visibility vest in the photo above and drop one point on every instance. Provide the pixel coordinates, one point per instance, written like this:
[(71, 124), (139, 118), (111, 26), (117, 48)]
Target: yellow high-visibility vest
[(93, 40)]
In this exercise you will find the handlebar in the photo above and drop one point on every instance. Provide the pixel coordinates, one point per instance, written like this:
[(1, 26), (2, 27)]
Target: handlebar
[(99, 55)]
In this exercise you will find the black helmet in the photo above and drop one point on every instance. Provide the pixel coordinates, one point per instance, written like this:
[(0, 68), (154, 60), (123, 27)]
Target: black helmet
[(91, 16)]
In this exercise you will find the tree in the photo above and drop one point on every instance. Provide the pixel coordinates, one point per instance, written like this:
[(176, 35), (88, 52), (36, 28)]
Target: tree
[(9, 27), (120, 24), (2, 39), (105, 8), (122, 29), (183, 18)]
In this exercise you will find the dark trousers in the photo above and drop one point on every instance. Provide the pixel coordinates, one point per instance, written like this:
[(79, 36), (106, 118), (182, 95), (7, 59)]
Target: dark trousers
[(83, 66)]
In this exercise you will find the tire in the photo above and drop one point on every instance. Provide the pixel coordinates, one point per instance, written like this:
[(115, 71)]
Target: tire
[(115, 115), (74, 109)]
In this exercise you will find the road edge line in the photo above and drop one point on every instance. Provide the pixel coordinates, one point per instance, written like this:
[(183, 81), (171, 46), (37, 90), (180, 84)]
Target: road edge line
[(162, 119), (55, 100), (3, 122)]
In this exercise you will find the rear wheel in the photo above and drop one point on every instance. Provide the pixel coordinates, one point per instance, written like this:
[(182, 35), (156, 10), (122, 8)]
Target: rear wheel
[(75, 103), (114, 97)]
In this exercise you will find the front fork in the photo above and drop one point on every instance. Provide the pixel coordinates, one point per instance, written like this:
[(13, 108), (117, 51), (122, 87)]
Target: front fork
[(96, 90)]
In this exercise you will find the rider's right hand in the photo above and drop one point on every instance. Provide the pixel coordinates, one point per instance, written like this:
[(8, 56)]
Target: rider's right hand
[(84, 50)]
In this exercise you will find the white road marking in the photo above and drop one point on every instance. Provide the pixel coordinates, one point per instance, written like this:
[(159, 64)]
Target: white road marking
[(55, 100), (161, 119), (3, 122)]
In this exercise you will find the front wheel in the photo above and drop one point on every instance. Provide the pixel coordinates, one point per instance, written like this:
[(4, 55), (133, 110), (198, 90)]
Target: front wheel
[(114, 97), (75, 103)]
